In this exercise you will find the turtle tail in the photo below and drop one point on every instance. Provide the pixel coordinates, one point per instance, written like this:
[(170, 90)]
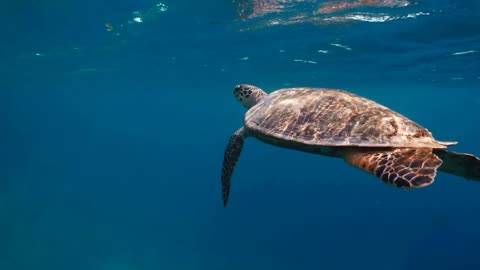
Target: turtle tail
[(460, 164)]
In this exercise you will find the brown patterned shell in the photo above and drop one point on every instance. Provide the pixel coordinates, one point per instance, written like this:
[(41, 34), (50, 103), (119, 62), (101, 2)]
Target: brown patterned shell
[(326, 117)]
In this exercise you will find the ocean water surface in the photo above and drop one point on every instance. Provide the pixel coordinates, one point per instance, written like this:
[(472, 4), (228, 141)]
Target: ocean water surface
[(115, 116)]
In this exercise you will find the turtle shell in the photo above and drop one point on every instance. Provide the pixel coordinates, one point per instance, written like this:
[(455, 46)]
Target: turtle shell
[(327, 117)]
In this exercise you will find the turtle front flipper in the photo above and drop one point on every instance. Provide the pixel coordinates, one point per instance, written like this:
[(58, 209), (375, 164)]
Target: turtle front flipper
[(402, 167), (232, 153), (460, 164)]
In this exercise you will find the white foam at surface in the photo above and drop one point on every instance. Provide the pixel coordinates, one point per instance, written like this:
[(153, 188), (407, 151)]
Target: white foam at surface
[(367, 17), (341, 46), (464, 52), (304, 61)]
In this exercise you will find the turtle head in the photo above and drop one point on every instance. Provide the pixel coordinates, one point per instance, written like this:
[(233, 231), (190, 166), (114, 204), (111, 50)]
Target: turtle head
[(248, 95)]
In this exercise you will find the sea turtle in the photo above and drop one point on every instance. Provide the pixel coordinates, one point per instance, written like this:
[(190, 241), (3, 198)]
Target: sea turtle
[(340, 124)]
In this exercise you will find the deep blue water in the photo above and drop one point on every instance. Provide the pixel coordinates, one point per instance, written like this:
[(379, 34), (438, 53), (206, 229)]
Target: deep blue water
[(112, 141)]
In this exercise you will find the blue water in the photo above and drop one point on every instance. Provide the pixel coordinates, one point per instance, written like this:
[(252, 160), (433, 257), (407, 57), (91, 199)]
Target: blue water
[(112, 141)]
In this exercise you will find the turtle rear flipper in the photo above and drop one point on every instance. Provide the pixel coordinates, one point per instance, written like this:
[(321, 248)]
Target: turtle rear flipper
[(402, 167), (461, 164)]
